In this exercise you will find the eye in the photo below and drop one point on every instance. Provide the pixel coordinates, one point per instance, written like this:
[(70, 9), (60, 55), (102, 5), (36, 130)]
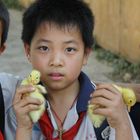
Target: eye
[(70, 50), (43, 48)]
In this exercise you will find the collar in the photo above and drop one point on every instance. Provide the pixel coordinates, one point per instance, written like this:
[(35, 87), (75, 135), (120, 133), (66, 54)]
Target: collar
[(86, 88)]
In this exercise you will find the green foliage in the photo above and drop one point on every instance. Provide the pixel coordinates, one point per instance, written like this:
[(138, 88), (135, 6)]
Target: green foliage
[(12, 4), (121, 67)]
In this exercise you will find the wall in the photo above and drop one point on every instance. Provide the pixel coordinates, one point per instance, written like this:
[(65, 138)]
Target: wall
[(117, 26)]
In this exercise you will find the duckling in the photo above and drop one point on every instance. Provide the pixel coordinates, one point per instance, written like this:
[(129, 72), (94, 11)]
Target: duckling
[(129, 98), (34, 79)]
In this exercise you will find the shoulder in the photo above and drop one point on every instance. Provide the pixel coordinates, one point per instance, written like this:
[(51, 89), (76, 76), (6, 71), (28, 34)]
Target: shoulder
[(8, 80), (9, 84), (7, 77)]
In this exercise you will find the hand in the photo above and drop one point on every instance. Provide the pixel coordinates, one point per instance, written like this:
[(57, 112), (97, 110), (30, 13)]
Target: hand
[(23, 105), (111, 105)]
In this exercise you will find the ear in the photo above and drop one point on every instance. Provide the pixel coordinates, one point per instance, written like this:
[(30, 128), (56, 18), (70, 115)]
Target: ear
[(86, 55), (27, 50), (2, 48), (88, 51)]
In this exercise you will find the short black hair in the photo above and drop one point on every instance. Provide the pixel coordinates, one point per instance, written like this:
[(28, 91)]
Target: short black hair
[(4, 18), (63, 13)]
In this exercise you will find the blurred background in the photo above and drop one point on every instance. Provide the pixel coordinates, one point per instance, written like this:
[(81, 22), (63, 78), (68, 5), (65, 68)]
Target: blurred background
[(116, 52)]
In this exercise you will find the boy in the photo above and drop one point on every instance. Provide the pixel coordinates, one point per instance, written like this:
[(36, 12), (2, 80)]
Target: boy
[(4, 25), (57, 36)]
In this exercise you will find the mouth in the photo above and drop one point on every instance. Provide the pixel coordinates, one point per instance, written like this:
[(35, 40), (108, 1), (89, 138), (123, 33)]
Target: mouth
[(56, 76)]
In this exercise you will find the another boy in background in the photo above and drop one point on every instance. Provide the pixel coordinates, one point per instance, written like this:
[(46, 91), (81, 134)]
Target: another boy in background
[(4, 25), (8, 82)]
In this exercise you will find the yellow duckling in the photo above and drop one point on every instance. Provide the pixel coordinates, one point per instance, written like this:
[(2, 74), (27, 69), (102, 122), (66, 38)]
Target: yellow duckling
[(33, 79), (96, 119), (128, 97)]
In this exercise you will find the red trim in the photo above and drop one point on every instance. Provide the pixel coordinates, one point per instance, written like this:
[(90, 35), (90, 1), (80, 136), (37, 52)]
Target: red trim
[(47, 128), (1, 136)]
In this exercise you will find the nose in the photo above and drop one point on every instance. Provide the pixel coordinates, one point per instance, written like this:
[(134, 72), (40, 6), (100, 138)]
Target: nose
[(56, 59)]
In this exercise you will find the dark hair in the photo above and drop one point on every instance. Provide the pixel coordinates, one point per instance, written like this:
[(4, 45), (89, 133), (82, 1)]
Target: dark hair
[(4, 17), (64, 13)]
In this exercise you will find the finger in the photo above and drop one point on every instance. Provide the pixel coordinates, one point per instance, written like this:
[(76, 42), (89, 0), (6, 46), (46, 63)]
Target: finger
[(101, 101), (26, 109), (98, 83), (25, 103), (21, 91), (110, 98), (30, 107), (108, 87), (103, 111), (29, 100), (103, 93)]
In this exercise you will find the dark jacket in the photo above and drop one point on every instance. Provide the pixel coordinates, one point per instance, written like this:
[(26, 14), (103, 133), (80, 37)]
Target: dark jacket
[(135, 117)]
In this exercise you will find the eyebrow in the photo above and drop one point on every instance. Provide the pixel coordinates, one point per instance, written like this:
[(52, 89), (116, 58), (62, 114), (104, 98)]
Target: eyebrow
[(43, 40), (70, 41), (49, 41)]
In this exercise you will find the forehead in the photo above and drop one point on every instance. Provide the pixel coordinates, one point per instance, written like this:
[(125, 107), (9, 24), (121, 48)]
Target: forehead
[(53, 26)]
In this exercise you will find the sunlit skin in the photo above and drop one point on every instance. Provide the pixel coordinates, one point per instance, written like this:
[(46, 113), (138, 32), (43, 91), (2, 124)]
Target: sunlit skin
[(59, 55)]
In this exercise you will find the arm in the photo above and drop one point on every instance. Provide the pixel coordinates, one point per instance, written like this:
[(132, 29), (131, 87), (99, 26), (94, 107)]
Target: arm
[(23, 134), (22, 107), (112, 106)]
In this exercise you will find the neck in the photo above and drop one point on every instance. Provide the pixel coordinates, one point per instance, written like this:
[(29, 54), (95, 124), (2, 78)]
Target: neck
[(64, 95), (61, 102)]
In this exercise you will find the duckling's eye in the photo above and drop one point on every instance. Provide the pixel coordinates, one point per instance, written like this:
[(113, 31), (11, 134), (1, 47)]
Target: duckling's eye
[(130, 101)]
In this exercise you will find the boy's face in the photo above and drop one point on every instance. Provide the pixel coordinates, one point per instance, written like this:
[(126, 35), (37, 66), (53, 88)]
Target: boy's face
[(2, 46), (58, 54)]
